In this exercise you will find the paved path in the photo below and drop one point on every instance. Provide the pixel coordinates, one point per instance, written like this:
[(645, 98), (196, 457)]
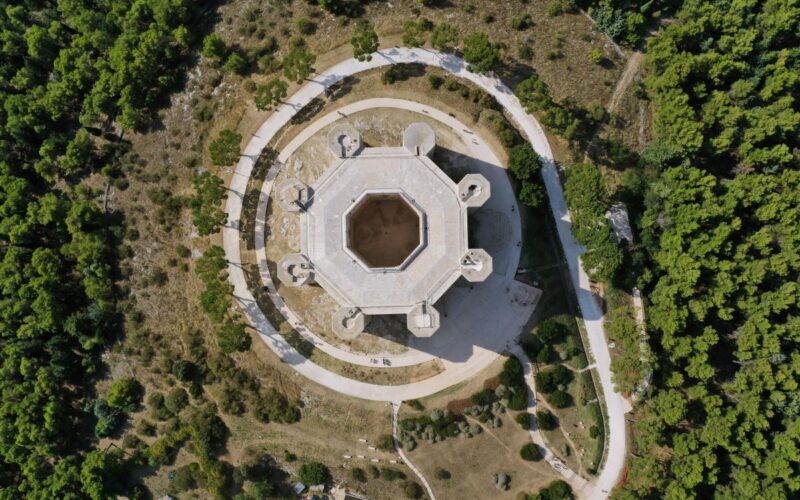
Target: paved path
[(578, 483), (592, 316), (464, 334), (395, 418)]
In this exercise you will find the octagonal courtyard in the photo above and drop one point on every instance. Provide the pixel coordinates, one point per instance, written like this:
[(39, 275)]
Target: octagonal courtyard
[(383, 230)]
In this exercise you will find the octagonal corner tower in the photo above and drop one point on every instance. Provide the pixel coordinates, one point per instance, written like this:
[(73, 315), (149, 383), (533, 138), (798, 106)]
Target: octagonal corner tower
[(384, 231)]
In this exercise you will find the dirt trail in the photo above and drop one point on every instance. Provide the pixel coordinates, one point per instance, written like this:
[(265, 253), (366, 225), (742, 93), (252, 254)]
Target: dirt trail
[(631, 68)]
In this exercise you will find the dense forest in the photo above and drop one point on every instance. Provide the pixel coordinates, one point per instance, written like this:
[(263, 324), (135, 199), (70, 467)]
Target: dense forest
[(721, 226), (71, 72)]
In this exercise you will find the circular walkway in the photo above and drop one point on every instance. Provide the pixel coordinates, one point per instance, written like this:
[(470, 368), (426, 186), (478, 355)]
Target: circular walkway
[(615, 405), (483, 318)]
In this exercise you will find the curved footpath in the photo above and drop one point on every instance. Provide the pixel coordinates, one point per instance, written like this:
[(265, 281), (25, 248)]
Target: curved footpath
[(592, 316)]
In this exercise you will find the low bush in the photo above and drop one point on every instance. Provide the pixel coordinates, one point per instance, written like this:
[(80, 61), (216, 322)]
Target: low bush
[(314, 473), (524, 420), (545, 420), (530, 452), (560, 399), (412, 490)]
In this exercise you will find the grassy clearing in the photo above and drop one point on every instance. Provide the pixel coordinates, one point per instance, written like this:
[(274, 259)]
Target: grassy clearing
[(472, 461)]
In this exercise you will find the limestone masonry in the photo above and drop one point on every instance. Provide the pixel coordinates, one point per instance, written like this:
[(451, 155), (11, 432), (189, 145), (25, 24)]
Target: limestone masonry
[(384, 231)]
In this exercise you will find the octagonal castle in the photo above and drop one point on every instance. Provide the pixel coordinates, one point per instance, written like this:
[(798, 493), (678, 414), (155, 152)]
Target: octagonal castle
[(384, 231)]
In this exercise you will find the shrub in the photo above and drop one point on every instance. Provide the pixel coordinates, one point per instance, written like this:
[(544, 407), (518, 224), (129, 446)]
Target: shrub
[(548, 381), (236, 64), (524, 420), (435, 81), (481, 398), (512, 374), (442, 474), (596, 56), (557, 490), (225, 149), (390, 474), (555, 8), (501, 481), (184, 370), (109, 418), (358, 474), (314, 473), (480, 53), (525, 164), (560, 399), (208, 432), (519, 399), (389, 76), (521, 22), (412, 490), (305, 26), (594, 432), (183, 251), (274, 406), (385, 442), (176, 400), (545, 420), (146, 428), (125, 394), (415, 403), (525, 52), (550, 331), (159, 452), (444, 37), (232, 337), (530, 452), (213, 46), (184, 479)]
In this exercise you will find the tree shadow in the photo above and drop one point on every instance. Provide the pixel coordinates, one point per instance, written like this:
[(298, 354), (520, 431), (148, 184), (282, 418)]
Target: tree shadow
[(309, 111), (341, 88)]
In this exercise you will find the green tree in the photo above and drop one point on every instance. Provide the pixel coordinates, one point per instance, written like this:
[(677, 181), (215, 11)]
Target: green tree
[(530, 452), (206, 212), (236, 63), (97, 473), (215, 301), (559, 399), (208, 432), (214, 47), (313, 473), (299, 62), (445, 37), (232, 337), (545, 420), (526, 165), (125, 394), (415, 32), (271, 94), (534, 94), (364, 40), (225, 148), (557, 490), (211, 263), (479, 52)]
